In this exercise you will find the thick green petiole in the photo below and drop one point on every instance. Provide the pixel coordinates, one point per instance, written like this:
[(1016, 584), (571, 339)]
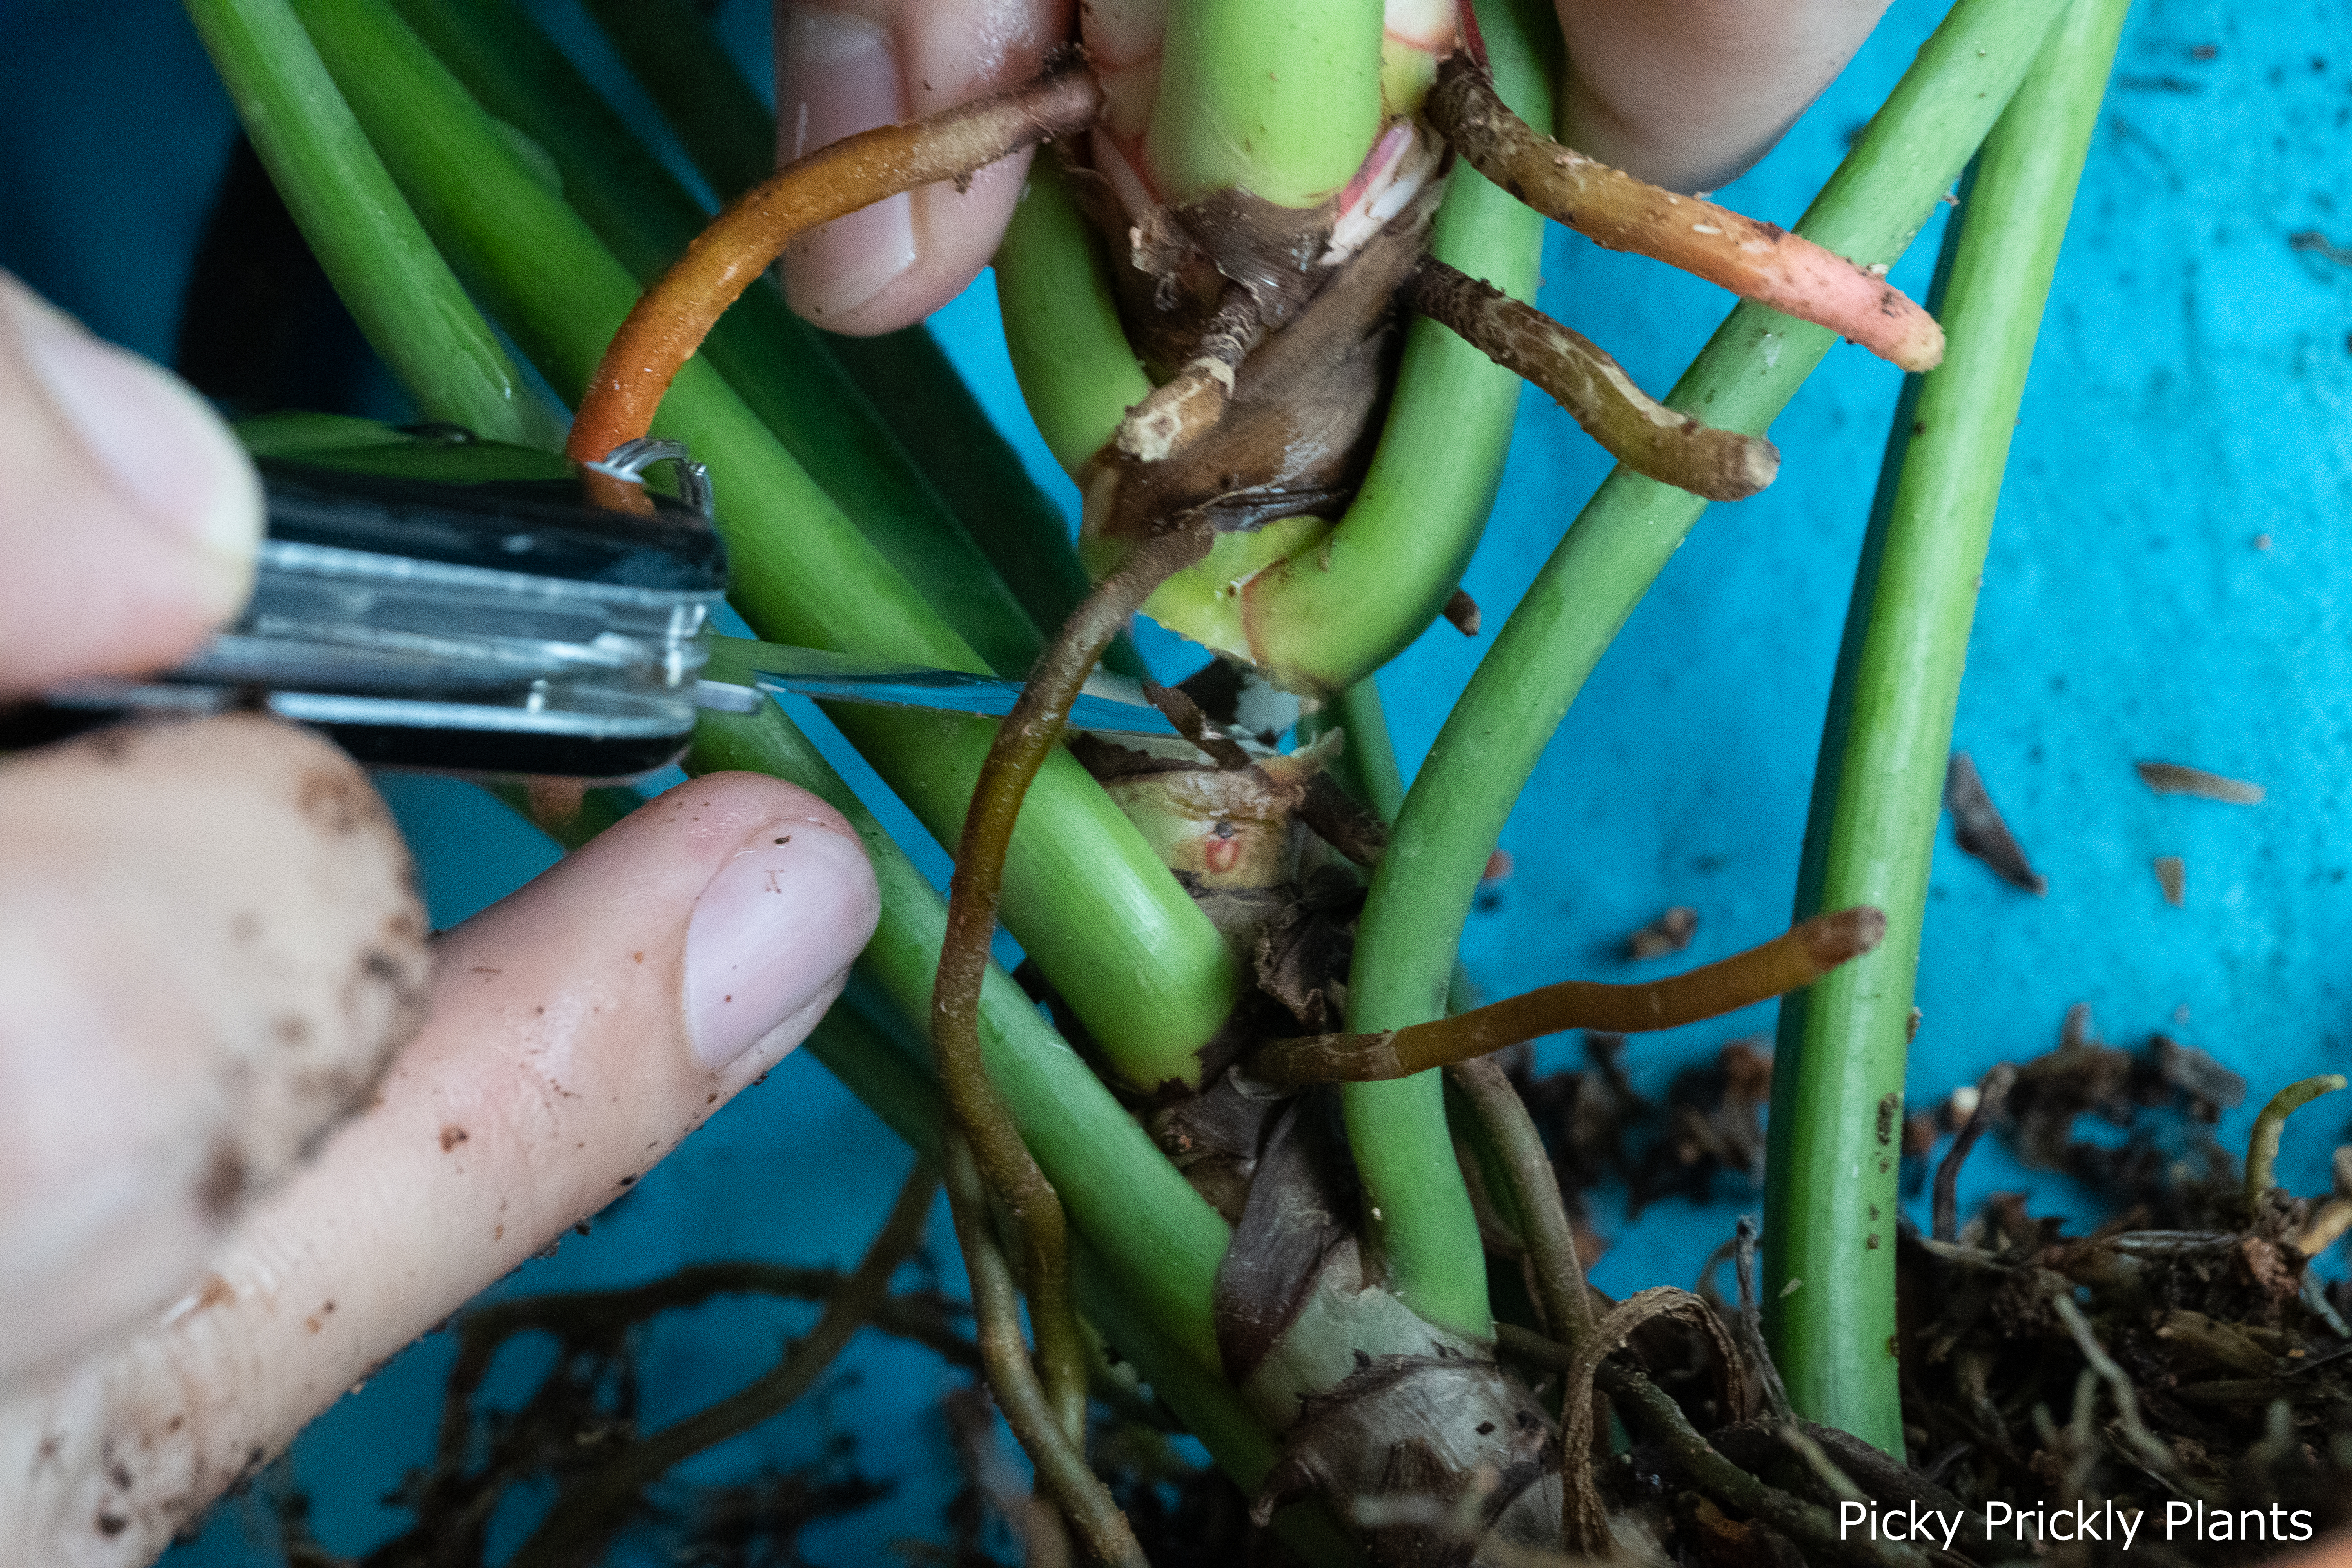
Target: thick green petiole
[(1076, 371), (1837, 1083), (1281, 102), (1157, 1236), (776, 362), (1084, 892), (408, 303), (1411, 926)]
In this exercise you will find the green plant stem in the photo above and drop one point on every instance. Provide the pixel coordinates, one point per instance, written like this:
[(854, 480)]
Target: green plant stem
[(1905, 161), (1031, 731), (951, 439), (1831, 1179), (776, 363), (409, 305), (1083, 893), (1533, 1190), (1343, 602), (728, 130), (1159, 1239), (730, 134), (1280, 101), (1071, 356), (593, 1506), (2262, 1143), (1367, 765)]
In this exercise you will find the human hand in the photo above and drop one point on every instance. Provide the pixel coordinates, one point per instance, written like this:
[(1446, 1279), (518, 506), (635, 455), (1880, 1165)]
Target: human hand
[(1685, 94), (212, 954)]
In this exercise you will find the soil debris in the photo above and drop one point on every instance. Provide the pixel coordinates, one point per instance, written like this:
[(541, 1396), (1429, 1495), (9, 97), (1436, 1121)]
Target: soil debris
[(2171, 778), (1671, 933), (2172, 876), (1978, 827)]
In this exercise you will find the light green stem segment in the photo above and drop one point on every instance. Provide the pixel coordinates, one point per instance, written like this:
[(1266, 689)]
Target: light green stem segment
[(923, 406), (1157, 1237), (1830, 1197), (1282, 101), (2262, 1144), (1321, 606), (776, 362), (1070, 354), (407, 303), (1104, 918), (1905, 161)]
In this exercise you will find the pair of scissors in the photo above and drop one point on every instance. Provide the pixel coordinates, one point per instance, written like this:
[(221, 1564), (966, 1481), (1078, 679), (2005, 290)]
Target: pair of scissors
[(450, 605)]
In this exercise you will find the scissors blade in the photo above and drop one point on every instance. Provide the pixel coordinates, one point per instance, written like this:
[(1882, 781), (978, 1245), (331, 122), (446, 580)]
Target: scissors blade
[(845, 678)]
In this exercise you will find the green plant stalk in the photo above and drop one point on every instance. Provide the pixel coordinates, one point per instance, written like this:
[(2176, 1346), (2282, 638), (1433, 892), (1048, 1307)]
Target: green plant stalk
[(1071, 356), (776, 362), (1281, 101), (1830, 1195), (1083, 893), (409, 305), (2270, 1125), (1159, 1239), (1367, 765), (1321, 608), (1411, 930), (878, 1062), (730, 134), (1019, 528)]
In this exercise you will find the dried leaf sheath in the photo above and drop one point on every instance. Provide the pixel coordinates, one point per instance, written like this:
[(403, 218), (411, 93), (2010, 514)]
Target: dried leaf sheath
[(1758, 261), (675, 315), (1789, 962), (1636, 429)]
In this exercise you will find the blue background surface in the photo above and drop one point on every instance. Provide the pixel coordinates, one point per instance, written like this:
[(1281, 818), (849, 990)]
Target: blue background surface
[(2191, 392)]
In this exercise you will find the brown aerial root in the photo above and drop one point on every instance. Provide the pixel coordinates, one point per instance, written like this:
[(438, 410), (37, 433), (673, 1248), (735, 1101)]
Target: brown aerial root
[(1758, 261), (669, 322), (985, 1153), (592, 1508), (1636, 429), (1789, 962)]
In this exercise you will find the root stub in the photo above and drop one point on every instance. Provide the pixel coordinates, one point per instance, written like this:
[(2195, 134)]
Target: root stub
[(1788, 963)]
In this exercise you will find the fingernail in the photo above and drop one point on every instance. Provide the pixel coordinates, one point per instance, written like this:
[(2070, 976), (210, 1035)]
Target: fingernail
[(771, 933), (161, 449), (839, 75)]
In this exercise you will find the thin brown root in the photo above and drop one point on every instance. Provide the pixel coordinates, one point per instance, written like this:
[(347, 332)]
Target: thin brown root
[(1584, 1525), (1758, 261), (1062, 1469), (1636, 429), (1789, 962), (2153, 1451), (1653, 1413), (675, 315), (1990, 1092), (592, 1508), (1191, 403), (1561, 1290), (1028, 734)]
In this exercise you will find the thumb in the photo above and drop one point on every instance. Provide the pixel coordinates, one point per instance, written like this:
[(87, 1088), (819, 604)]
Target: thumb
[(579, 1030), (131, 517)]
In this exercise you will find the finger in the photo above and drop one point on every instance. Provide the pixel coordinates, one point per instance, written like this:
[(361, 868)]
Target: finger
[(131, 517), (209, 943), (851, 65), (579, 1030), (1688, 93)]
